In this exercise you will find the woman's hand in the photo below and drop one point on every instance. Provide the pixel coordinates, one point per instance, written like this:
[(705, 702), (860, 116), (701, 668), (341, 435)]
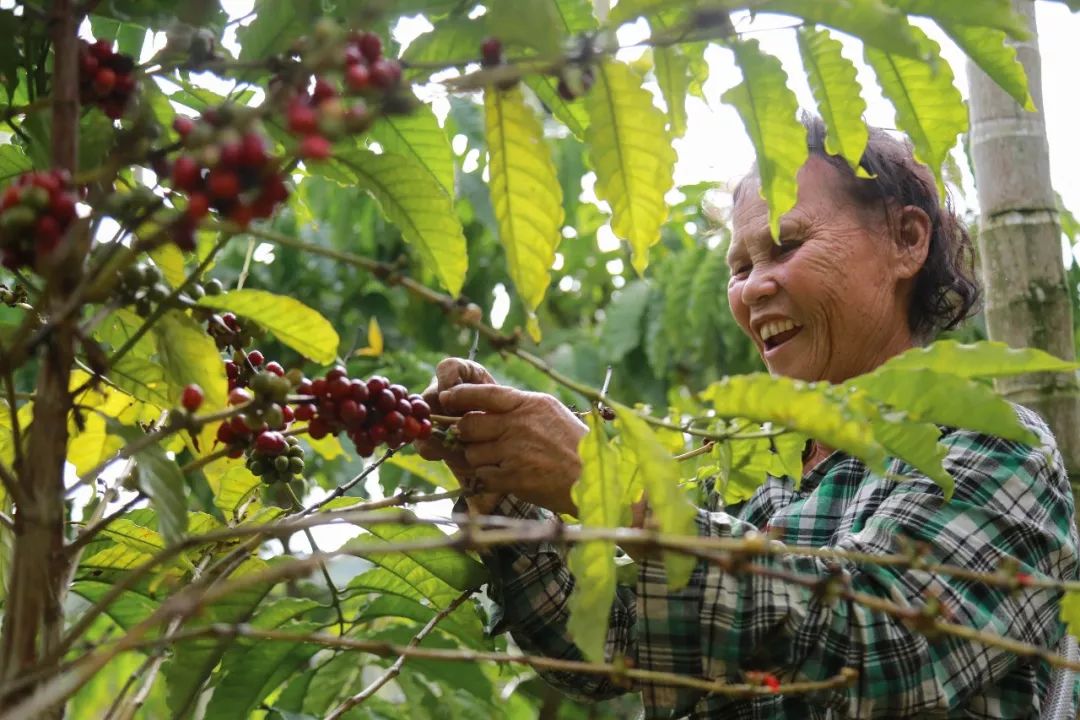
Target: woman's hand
[(524, 443), (449, 373)]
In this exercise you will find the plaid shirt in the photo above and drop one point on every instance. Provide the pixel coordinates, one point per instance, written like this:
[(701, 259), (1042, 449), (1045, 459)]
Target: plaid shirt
[(1011, 501)]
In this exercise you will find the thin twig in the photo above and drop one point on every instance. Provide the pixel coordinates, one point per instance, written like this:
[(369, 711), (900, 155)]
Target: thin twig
[(394, 670), (340, 490)]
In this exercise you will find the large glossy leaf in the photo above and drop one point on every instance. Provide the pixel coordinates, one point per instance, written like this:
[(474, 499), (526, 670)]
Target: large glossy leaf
[(659, 474), (769, 109), (292, 323), (929, 108), (231, 487), (798, 406), (572, 113), (996, 14), (984, 359), (128, 610), (535, 25), (632, 155), (872, 21), (672, 70), (274, 27), (415, 202), (418, 135), (598, 494), (143, 379), (189, 355), (160, 478), (456, 39), (989, 50), (833, 79), (13, 161), (525, 191)]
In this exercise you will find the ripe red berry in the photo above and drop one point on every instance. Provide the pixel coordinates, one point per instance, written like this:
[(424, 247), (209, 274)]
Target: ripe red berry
[(185, 173), (315, 147), (323, 91), (365, 449), (399, 391), (491, 52), (225, 435), (411, 429), (395, 439), (230, 321), (318, 429), (339, 389), (198, 206), (271, 443), (252, 151), (104, 81), (47, 231), (353, 55), (358, 77), (302, 119), (242, 214), (394, 420), (229, 153), (384, 401), (232, 370), (318, 387), (236, 452), (420, 409), (351, 412), (239, 396), (191, 398), (378, 434), (88, 65), (371, 46), (275, 367), (223, 184), (256, 358), (425, 430), (359, 391), (376, 385), (287, 414), (239, 427), (102, 49), (336, 372), (12, 195), (304, 387), (386, 74), (404, 407), (304, 412), (183, 125)]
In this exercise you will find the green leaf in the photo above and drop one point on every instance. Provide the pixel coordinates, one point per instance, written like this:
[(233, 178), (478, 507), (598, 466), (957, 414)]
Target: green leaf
[(455, 39), (989, 49), (293, 323), (571, 113), (929, 108), (833, 79), (622, 328), (160, 478), (13, 162), (415, 202), (796, 405), (525, 191), (598, 494), (916, 444), (944, 399), (672, 70), (189, 355), (274, 27), (435, 473), (769, 111), (659, 474), (535, 25), (632, 155), (143, 379), (981, 360), (127, 611), (417, 135), (995, 14), (170, 261), (232, 488), (872, 21), (1070, 612)]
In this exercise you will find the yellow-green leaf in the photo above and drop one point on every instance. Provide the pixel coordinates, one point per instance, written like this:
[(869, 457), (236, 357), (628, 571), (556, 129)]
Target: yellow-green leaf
[(984, 359), (995, 14), (189, 355), (435, 473), (599, 497), (327, 448), (525, 191), (632, 155), (872, 21), (659, 474), (796, 405), (929, 108), (833, 79), (1070, 612), (989, 50), (571, 113), (291, 321), (232, 484), (375, 340), (418, 205), (535, 24), (672, 70), (417, 135), (769, 111), (170, 261), (143, 379), (87, 447), (127, 533)]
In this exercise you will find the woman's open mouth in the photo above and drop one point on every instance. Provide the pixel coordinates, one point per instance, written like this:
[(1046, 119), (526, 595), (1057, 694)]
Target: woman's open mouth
[(776, 333)]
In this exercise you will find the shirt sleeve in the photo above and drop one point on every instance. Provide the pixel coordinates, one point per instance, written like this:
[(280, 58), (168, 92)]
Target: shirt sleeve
[(1010, 501), (530, 585)]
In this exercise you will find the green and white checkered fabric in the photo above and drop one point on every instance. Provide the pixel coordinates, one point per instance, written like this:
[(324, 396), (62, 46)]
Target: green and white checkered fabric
[(1011, 501)]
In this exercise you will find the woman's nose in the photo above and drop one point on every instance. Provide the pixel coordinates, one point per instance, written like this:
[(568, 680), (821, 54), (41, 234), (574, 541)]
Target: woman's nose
[(758, 286)]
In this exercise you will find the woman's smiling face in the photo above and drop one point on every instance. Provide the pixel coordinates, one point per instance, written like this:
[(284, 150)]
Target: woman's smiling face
[(830, 301)]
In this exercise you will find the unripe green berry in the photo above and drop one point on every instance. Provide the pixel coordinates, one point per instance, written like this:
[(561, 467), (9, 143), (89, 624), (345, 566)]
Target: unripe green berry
[(213, 286), (296, 465), (257, 467), (281, 463)]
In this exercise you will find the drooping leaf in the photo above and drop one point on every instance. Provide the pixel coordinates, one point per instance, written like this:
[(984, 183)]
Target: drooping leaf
[(87, 446), (525, 191), (991, 14), (622, 328), (981, 360), (231, 488), (929, 108), (414, 201), (571, 113), (659, 475), (673, 76), (632, 154), (129, 609), (292, 323), (872, 21), (598, 494), (535, 25), (997, 58), (833, 79), (161, 480), (435, 473), (13, 161), (798, 406), (418, 135), (456, 38), (768, 109)]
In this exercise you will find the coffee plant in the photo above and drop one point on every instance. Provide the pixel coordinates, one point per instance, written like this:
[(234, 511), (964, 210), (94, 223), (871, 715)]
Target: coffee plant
[(205, 217)]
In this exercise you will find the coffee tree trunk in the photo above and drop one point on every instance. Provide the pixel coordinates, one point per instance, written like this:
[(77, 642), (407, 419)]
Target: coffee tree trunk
[(33, 614), (1027, 297)]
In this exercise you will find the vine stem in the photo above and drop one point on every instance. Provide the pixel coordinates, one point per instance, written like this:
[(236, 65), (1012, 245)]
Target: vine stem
[(394, 670)]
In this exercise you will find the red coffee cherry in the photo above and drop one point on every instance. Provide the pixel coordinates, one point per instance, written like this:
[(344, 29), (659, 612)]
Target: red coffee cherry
[(192, 398)]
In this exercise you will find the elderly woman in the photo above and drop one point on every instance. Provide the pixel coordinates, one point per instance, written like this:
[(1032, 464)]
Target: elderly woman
[(864, 269)]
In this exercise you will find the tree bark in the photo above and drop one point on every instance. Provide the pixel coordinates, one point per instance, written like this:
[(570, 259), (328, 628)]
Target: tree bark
[(33, 614), (1027, 296)]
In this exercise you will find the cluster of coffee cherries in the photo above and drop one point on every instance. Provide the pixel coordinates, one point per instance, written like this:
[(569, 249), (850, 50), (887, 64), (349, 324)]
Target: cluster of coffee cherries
[(143, 286), (228, 331), (372, 413), (224, 170), (325, 114), (575, 78), (35, 212), (106, 77), (243, 367), (276, 458), (265, 409)]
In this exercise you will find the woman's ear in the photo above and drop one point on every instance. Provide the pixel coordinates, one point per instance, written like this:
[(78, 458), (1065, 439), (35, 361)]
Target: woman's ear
[(913, 244)]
